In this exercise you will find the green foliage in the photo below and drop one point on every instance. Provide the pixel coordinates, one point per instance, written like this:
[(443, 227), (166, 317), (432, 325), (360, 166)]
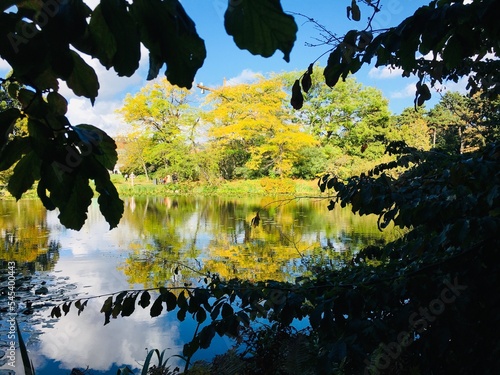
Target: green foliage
[(165, 126), (415, 301), (252, 129), (44, 43), (425, 303), (439, 29)]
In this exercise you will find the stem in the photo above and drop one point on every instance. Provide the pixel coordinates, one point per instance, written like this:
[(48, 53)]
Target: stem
[(188, 360)]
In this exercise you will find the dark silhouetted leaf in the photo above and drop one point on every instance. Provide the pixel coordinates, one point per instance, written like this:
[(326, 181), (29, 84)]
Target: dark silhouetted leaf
[(66, 306), (99, 143), (306, 82), (117, 308), (334, 68), (170, 36), (83, 80), (57, 103), (26, 171), (171, 301), (206, 335), (181, 314), (190, 348), (145, 299), (123, 29), (56, 312), (227, 310), (129, 305), (182, 301), (74, 213), (107, 304), (261, 27), (201, 315), (7, 120), (157, 307), (297, 99), (13, 151), (355, 11)]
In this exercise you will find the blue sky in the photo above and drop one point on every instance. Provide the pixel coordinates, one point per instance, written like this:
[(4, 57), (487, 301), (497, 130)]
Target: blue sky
[(226, 61)]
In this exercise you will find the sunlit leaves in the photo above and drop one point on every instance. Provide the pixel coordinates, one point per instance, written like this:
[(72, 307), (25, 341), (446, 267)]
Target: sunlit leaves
[(252, 118), (261, 27)]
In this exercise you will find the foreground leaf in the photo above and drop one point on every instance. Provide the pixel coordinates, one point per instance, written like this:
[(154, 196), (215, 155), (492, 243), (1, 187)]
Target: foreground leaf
[(170, 36), (261, 27)]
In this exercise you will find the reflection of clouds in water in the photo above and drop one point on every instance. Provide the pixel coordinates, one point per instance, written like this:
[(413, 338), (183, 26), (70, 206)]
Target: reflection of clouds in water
[(95, 235), (95, 252), (81, 341)]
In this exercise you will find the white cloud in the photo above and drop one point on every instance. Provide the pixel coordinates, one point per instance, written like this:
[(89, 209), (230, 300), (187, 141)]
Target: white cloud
[(385, 72), (111, 92), (246, 76), (102, 114), (459, 86), (408, 91), (4, 66)]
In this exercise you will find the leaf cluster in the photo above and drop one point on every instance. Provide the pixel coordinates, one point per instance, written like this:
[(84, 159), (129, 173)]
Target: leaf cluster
[(44, 43)]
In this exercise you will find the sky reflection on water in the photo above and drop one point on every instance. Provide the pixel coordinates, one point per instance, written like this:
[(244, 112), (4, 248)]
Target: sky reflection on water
[(154, 235)]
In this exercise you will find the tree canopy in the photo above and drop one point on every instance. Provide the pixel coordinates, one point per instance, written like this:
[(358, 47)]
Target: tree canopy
[(425, 303), (43, 42)]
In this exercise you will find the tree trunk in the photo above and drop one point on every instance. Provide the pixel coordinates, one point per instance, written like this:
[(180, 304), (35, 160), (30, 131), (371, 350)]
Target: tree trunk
[(145, 170), (461, 139)]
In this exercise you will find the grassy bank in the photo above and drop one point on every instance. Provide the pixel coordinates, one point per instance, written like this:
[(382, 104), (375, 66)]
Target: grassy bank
[(143, 187), (265, 186)]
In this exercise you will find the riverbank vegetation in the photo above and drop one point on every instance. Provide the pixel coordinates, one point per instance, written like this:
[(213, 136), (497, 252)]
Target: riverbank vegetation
[(425, 303)]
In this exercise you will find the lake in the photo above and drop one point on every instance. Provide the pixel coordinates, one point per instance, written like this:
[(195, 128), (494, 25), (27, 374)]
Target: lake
[(163, 241)]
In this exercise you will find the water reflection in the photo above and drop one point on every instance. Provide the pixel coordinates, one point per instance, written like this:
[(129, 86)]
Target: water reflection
[(160, 241)]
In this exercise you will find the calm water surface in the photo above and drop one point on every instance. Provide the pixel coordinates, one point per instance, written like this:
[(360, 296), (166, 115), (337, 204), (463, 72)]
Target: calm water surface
[(155, 237)]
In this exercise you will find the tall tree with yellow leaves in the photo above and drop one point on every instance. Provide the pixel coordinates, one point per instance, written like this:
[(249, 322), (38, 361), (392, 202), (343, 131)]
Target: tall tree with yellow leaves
[(252, 128)]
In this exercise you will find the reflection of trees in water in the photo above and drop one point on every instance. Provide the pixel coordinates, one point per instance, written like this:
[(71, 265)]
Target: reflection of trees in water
[(214, 235), (24, 237)]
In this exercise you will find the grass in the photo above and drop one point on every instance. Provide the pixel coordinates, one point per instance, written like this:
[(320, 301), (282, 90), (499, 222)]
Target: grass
[(262, 187)]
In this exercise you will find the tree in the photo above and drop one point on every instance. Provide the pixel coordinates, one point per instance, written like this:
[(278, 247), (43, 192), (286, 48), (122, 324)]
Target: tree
[(349, 116), (412, 125), (44, 43), (464, 123), (425, 303), (253, 127), (162, 115), (136, 158)]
